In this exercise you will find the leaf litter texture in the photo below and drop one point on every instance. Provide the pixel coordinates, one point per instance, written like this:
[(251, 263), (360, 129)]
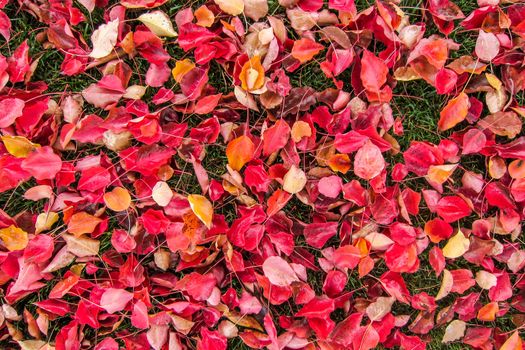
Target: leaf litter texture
[(112, 244)]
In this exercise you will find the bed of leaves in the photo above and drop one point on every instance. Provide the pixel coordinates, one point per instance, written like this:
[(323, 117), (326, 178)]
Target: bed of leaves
[(237, 174)]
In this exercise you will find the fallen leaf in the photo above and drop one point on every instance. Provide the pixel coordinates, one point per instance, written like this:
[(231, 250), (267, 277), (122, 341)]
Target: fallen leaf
[(368, 161), (239, 152), (82, 223), (18, 146), (81, 246), (231, 7), (514, 342), (487, 46), (252, 74), (162, 193), (159, 23), (305, 49), (454, 331), (456, 246), (117, 199), (294, 180), (279, 272), (454, 112), (202, 208), (104, 39), (114, 299), (14, 238), (45, 221)]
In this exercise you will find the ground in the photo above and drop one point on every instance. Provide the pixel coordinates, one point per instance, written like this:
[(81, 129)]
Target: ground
[(415, 102)]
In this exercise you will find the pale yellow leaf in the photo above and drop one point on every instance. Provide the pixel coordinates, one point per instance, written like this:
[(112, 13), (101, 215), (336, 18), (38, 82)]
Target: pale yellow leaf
[(454, 331), (162, 193), (104, 39), (159, 23), (446, 285), (294, 180), (45, 221), (81, 246), (231, 7), (486, 280)]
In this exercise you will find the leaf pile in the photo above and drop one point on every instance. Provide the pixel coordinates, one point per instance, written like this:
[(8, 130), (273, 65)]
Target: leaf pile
[(164, 201)]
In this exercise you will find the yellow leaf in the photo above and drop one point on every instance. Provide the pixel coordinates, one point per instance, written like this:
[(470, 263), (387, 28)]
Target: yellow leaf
[(239, 152), (18, 146), (118, 199), (14, 238), (231, 7), (493, 81), (456, 246), (45, 221), (159, 23), (446, 285), (202, 208), (243, 320), (181, 68)]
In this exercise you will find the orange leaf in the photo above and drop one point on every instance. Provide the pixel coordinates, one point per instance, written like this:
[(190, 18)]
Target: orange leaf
[(438, 174), (82, 223), (252, 74), (118, 199), (517, 169), (339, 162), (454, 112), (300, 129), (14, 238), (181, 68), (513, 343), (488, 312), (239, 152), (305, 49), (205, 17), (202, 208)]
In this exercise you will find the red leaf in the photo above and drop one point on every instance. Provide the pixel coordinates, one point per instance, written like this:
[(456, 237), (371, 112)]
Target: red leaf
[(42, 163), (373, 72), (452, 208), (275, 137), (305, 49), (11, 109), (347, 256)]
